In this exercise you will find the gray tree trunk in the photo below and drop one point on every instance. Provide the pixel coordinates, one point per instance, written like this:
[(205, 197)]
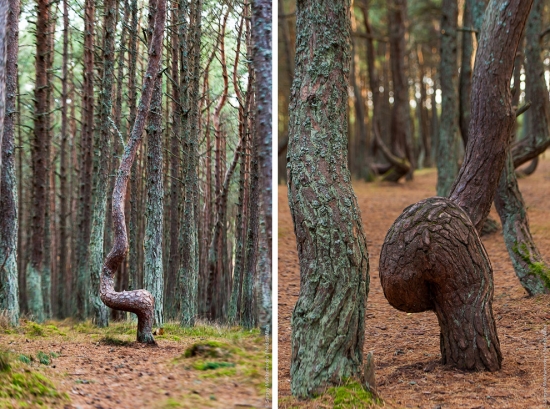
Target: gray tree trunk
[(328, 321)]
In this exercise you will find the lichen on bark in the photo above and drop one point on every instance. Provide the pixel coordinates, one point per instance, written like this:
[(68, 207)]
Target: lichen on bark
[(329, 318)]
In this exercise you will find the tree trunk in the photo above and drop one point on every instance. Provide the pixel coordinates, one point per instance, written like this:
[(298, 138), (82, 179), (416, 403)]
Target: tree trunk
[(329, 318), (400, 130), (153, 275), (102, 165), (85, 198), (261, 39), (4, 10), (537, 137), (465, 81), (529, 265), (190, 256), (140, 302), (433, 251), (447, 161), (9, 289), (40, 161)]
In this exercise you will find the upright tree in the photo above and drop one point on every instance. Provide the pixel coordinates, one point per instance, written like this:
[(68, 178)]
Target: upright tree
[(328, 320), (9, 290), (447, 160)]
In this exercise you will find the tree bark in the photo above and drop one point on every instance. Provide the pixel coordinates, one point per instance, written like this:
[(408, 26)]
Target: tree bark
[(153, 275), (140, 302), (447, 160), (537, 137), (85, 199), (40, 161), (9, 287), (329, 318), (465, 80), (4, 10), (432, 257), (262, 54)]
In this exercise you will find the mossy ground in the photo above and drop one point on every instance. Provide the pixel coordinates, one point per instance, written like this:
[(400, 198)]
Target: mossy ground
[(77, 358), (24, 385)]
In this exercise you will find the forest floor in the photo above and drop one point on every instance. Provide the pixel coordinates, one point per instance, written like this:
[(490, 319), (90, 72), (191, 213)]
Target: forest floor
[(406, 346), (78, 366)]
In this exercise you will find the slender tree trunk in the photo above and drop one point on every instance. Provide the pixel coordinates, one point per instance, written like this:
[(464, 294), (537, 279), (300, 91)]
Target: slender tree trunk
[(537, 137), (9, 290), (4, 10), (64, 198), (85, 199), (102, 167), (447, 160), (261, 39), (153, 278), (140, 302), (40, 158), (465, 81), (329, 318)]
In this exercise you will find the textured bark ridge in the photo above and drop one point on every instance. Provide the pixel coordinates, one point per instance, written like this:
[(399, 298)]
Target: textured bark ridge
[(140, 302), (328, 322), (532, 271), (433, 259)]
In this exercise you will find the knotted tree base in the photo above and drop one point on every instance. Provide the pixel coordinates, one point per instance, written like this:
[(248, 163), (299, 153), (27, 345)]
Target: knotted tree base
[(433, 259)]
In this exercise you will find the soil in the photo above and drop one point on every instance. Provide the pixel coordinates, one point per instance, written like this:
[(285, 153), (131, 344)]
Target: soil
[(99, 371), (406, 346)]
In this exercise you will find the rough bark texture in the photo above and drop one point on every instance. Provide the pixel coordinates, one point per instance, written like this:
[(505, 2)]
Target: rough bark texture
[(189, 257), (493, 117), (329, 317), (140, 302), (102, 165), (530, 267), (153, 275), (432, 257), (40, 159), (465, 80), (9, 286), (537, 137), (85, 198), (4, 9), (447, 165), (434, 249)]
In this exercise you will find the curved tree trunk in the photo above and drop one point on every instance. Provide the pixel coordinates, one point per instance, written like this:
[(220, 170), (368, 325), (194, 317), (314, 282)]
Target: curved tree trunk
[(140, 302), (432, 258), (530, 267), (328, 320)]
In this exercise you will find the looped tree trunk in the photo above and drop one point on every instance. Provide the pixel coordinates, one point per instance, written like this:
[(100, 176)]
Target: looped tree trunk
[(140, 302), (433, 259)]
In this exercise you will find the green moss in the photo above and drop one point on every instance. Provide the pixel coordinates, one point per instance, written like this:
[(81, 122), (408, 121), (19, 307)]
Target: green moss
[(536, 268), (351, 395), (208, 365), (35, 330), (212, 349), (108, 340), (4, 361), (25, 359), (219, 373)]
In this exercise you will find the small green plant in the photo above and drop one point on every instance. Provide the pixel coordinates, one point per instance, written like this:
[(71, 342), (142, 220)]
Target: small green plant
[(35, 330), (25, 359), (43, 358), (4, 361)]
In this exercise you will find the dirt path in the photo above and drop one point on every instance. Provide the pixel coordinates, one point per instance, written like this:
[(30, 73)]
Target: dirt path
[(406, 346), (103, 370)]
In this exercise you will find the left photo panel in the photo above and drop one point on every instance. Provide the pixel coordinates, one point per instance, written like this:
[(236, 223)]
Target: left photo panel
[(135, 204)]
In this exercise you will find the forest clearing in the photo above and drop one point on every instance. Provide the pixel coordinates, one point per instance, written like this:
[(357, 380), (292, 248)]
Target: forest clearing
[(406, 346), (91, 368)]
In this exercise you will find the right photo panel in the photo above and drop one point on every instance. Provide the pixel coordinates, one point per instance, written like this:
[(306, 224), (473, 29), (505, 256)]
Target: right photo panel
[(413, 203)]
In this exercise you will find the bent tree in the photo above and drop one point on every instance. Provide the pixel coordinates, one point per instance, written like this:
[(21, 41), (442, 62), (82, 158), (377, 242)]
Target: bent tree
[(432, 257), (328, 320), (140, 302)]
